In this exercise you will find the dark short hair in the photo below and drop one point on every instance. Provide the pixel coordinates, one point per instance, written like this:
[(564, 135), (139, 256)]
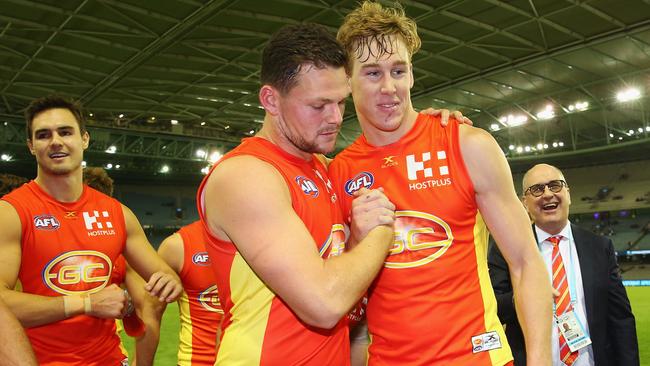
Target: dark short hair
[(294, 46), (9, 182), (51, 102), (97, 178)]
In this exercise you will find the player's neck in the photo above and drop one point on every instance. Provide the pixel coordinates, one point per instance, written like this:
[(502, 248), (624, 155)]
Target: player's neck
[(270, 132), (63, 188), (377, 137)]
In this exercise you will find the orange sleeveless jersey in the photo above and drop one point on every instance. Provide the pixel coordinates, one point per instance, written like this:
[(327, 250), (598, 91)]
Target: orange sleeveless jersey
[(432, 303), (69, 249), (258, 327), (200, 309)]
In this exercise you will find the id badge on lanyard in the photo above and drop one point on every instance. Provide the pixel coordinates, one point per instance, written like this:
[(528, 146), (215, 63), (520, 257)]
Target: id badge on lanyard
[(569, 324)]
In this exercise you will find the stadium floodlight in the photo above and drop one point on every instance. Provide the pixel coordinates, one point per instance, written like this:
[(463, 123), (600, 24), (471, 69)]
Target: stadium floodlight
[(109, 166), (628, 95), (174, 122), (520, 149), (546, 113), (578, 107), (205, 170), (214, 157), (495, 127), (513, 120), (164, 169), (511, 147), (560, 144), (201, 154), (111, 149), (5, 157)]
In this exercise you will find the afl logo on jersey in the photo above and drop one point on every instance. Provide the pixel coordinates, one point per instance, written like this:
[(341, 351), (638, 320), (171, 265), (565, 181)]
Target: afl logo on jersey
[(209, 299), (361, 180), (77, 272), (46, 222), (420, 238), (307, 185), (201, 259)]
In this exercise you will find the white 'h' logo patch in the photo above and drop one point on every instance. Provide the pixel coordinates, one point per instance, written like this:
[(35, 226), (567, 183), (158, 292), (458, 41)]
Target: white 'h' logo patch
[(413, 166), (91, 221)]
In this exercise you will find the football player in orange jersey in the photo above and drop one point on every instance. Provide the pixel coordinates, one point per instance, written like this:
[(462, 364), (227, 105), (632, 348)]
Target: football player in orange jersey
[(200, 311), (432, 302), (276, 235), (60, 238)]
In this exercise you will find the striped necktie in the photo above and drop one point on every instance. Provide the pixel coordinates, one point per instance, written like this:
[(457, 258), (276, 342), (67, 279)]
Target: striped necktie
[(562, 302)]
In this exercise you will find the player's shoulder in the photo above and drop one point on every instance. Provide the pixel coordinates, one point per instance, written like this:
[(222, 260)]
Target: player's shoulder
[(475, 141), (20, 193)]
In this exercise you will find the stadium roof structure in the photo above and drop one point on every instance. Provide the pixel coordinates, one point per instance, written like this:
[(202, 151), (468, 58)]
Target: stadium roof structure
[(172, 81)]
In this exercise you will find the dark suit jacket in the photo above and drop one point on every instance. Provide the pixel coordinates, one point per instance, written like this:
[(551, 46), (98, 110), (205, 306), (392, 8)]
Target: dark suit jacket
[(609, 315)]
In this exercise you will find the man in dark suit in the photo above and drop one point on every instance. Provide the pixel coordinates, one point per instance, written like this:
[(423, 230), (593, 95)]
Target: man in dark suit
[(585, 275)]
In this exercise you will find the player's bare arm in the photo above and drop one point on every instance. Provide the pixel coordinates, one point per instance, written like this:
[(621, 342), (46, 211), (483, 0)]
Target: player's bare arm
[(278, 247), (509, 224), (14, 345), (162, 281), (171, 251), (146, 308), (35, 310)]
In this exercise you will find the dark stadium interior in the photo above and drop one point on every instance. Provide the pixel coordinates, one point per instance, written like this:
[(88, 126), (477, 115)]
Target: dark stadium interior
[(169, 86)]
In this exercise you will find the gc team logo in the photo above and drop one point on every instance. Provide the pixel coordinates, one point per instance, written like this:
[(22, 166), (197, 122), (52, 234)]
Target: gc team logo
[(46, 222), (307, 185), (78, 271), (361, 180), (209, 299), (420, 238), (201, 259)]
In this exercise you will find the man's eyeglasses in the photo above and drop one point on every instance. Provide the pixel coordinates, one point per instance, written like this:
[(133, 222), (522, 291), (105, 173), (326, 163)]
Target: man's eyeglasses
[(537, 190)]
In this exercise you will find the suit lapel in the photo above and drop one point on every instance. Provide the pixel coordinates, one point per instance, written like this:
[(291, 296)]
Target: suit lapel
[(585, 257)]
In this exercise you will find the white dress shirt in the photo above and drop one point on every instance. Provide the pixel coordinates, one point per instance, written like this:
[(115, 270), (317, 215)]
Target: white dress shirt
[(574, 277)]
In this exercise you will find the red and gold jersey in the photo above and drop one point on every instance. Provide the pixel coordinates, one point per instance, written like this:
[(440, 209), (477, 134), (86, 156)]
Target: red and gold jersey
[(69, 249), (432, 303), (119, 270), (258, 327), (200, 309)]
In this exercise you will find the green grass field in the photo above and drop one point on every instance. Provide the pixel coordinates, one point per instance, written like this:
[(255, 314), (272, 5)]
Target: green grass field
[(639, 297)]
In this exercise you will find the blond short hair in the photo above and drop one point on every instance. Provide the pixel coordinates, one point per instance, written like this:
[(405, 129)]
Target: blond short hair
[(370, 23)]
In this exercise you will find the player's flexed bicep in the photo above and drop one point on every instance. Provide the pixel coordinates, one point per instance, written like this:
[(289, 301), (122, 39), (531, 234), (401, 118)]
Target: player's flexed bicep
[(259, 219), (162, 281), (247, 202)]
